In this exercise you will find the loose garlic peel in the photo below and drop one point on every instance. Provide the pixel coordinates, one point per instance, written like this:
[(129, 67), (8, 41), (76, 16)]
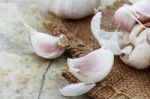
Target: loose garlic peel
[(128, 15), (111, 40), (44, 45), (72, 9)]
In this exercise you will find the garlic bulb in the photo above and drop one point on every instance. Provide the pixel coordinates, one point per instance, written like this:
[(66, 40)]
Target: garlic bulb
[(137, 54), (72, 9), (44, 45), (76, 89), (127, 15), (92, 67)]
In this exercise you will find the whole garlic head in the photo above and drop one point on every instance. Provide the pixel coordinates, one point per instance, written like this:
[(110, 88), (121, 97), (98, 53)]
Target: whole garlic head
[(72, 9)]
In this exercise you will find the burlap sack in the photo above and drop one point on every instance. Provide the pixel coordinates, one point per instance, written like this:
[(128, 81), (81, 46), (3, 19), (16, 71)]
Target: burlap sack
[(123, 82)]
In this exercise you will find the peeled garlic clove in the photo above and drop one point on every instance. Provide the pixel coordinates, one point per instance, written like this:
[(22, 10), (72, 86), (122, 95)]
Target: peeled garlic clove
[(92, 67), (45, 45), (111, 40), (72, 9), (139, 57), (124, 19), (76, 89), (141, 37)]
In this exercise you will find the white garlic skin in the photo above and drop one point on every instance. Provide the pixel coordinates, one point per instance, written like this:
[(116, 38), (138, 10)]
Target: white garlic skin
[(139, 57), (46, 46), (76, 89), (127, 15), (123, 19), (72, 9), (92, 67)]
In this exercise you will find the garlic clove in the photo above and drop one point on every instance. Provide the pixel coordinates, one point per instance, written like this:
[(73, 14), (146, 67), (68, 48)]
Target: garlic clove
[(142, 7), (134, 1), (111, 40), (138, 34), (76, 89), (45, 45), (139, 57), (142, 36), (92, 67), (136, 31), (123, 18), (127, 15)]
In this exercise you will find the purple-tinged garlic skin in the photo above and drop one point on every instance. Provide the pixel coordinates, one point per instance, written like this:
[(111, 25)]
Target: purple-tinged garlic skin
[(45, 45), (142, 7), (127, 16), (92, 67), (123, 18), (76, 89)]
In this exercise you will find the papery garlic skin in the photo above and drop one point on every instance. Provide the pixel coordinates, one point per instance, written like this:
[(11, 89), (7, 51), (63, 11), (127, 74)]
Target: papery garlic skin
[(124, 19), (134, 35), (139, 57), (45, 45), (72, 9), (76, 89), (139, 34), (127, 15), (92, 67), (141, 7), (111, 40)]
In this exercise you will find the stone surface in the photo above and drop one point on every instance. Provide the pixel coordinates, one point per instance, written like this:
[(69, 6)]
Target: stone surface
[(23, 75)]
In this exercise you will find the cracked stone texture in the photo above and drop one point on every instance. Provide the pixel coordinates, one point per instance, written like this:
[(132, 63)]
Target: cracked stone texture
[(23, 75)]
